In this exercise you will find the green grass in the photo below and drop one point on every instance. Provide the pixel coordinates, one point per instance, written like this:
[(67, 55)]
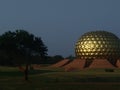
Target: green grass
[(58, 79)]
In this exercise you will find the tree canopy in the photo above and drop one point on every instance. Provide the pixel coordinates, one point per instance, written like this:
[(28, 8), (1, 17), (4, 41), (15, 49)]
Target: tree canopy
[(20, 44)]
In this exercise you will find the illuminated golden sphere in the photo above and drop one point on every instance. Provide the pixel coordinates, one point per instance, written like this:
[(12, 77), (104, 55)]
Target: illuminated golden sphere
[(98, 44)]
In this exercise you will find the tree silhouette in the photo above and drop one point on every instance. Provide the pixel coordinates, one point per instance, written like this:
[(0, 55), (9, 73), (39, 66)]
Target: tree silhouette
[(20, 46)]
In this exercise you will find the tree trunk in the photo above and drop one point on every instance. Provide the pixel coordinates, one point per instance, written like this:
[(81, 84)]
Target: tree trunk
[(26, 72)]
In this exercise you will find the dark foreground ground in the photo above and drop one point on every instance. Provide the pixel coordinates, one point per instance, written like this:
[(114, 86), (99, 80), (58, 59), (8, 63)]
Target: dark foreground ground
[(58, 79)]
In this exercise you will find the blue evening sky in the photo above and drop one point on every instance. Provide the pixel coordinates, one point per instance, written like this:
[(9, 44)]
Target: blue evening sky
[(60, 22)]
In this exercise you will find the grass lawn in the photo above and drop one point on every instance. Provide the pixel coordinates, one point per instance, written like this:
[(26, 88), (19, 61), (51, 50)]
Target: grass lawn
[(58, 79)]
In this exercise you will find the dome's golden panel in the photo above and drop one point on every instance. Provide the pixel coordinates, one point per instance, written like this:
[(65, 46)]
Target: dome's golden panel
[(98, 44)]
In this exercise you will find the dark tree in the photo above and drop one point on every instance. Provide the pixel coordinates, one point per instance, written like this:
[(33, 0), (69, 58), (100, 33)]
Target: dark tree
[(70, 57), (58, 57), (7, 45), (54, 59), (20, 46)]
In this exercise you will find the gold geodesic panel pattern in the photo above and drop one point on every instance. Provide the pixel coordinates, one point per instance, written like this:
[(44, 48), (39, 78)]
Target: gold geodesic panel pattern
[(98, 44)]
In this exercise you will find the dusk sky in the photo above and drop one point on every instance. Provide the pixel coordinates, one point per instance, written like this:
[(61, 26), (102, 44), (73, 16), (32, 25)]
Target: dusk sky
[(60, 23)]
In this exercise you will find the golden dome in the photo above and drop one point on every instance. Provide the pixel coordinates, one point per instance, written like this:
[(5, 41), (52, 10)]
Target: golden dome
[(98, 44)]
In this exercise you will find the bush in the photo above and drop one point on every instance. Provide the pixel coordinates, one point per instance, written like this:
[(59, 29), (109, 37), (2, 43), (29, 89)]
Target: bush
[(109, 70)]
